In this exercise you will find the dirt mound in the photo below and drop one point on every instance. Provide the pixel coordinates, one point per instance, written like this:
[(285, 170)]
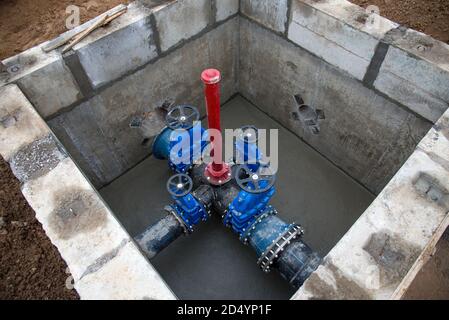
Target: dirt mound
[(427, 16), (27, 23), (30, 266)]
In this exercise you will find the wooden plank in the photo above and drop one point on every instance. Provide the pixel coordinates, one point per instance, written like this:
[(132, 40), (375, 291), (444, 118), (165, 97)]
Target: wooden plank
[(425, 256), (67, 36), (84, 34)]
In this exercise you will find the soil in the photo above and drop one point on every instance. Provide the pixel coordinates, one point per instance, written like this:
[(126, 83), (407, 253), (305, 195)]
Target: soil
[(427, 16), (30, 266), (27, 23)]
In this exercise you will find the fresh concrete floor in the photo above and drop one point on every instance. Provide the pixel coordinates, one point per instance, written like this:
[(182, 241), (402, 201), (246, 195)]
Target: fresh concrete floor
[(212, 263)]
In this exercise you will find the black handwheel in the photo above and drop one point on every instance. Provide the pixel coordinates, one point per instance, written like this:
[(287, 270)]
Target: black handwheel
[(182, 117), (179, 185), (254, 182)]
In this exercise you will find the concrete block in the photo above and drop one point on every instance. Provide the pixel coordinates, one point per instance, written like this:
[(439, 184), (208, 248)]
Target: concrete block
[(408, 94), (117, 53), (127, 276), (371, 260), (37, 159), (425, 74), (337, 33), (44, 78), (346, 30), (73, 216), (20, 124), (51, 88), (226, 8), (347, 13), (97, 133), (181, 20), (363, 133), (25, 63), (272, 14), (89, 238), (421, 45), (329, 51)]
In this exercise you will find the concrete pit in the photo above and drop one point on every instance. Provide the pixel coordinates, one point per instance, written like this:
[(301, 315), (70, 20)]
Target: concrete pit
[(212, 263), (363, 140)]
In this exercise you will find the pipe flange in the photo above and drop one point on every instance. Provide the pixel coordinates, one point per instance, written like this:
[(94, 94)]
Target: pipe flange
[(172, 211), (267, 258), (245, 236)]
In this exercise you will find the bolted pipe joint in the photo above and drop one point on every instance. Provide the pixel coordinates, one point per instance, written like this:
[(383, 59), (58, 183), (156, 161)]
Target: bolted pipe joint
[(179, 221)]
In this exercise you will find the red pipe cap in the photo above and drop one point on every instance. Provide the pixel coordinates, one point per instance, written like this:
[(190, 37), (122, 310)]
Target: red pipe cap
[(211, 76)]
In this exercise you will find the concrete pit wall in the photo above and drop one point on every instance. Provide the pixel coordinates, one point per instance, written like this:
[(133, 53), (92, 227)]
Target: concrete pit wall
[(375, 94), (146, 60), (324, 52)]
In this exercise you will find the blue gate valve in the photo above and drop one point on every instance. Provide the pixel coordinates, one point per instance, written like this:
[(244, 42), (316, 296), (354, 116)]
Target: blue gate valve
[(187, 208), (257, 190), (182, 141)]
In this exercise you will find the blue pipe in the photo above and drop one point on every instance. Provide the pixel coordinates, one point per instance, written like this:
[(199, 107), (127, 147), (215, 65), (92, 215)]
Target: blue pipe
[(161, 144)]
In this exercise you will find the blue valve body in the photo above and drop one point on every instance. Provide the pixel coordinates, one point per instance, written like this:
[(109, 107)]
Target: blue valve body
[(193, 146), (245, 208), (248, 153), (190, 210)]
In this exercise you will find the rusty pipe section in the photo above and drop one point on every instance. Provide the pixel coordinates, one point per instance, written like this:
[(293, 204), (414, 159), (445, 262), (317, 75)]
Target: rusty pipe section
[(161, 234)]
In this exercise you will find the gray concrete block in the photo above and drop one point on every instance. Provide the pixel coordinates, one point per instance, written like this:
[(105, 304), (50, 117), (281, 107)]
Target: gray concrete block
[(51, 88), (407, 93), (119, 52), (25, 63), (422, 46), (181, 20), (428, 75), (336, 33), (126, 276), (89, 238), (20, 124), (37, 158), (329, 51), (44, 78), (226, 8), (97, 133), (272, 14), (363, 133)]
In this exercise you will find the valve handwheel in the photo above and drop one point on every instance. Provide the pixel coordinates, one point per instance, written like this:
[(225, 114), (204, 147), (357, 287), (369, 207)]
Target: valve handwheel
[(248, 134), (182, 117), (179, 185), (254, 182)]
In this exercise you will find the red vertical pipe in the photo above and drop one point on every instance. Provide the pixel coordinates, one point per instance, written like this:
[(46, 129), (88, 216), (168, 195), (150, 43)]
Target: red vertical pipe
[(211, 79)]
